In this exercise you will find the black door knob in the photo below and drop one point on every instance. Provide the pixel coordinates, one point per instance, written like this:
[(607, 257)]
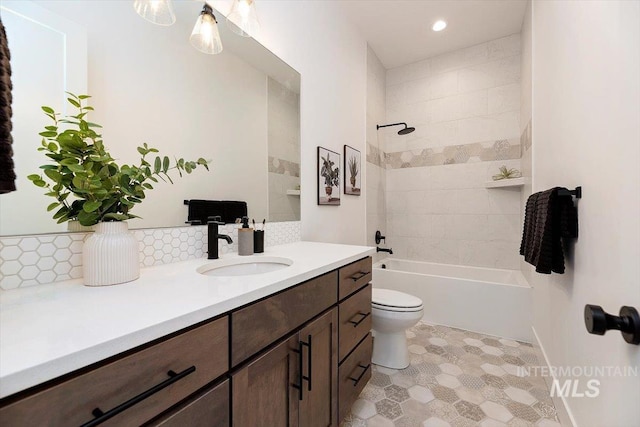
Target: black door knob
[(598, 322)]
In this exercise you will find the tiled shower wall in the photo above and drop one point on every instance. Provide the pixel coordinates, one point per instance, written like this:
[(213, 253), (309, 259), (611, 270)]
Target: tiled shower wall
[(47, 258), (526, 130), (283, 122), (465, 106), (376, 176)]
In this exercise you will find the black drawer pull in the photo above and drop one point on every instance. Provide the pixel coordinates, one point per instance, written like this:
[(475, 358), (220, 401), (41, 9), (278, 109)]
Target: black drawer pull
[(301, 376), (101, 417), (364, 371), (358, 276), (363, 316)]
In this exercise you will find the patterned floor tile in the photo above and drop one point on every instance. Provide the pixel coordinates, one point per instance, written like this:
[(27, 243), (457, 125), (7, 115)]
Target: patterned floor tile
[(457, 378)]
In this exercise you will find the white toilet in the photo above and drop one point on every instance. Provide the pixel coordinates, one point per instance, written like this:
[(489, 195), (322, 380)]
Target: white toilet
[(392, 313)]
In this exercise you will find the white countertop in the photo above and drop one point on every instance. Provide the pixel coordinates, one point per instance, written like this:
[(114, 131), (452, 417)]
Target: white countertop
[(50, 330)]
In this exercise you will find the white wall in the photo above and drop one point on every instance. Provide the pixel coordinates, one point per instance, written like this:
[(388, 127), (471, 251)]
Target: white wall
[(315, 38), (586, 110), (465, 106), (375, 185)]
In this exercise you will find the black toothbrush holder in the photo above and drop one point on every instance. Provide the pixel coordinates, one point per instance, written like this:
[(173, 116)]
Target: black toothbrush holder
[(258, 241)]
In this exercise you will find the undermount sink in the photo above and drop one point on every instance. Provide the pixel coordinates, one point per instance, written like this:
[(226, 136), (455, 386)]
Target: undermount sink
[(244, 266)]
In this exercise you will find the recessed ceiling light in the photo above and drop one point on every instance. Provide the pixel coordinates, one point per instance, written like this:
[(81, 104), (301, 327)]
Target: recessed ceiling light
[(439, 25)]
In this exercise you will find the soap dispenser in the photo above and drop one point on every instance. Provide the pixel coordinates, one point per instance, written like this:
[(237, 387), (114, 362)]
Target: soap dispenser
[(245, 238)]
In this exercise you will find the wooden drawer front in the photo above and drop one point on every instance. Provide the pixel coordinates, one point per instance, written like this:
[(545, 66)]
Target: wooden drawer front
[(353, 375), (260, 324), (354, 320), (354, 276), (72, 402), (207, 409)]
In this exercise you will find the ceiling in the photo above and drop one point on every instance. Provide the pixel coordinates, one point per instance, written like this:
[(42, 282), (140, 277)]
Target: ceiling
[(399, 31)]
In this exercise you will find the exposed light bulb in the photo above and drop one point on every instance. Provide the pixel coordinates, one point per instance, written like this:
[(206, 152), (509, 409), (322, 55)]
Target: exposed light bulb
[(243, 18), (205, 35), (159, 12), (439, 25)]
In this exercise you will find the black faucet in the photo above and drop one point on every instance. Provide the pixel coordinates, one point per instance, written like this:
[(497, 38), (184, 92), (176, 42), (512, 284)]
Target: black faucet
[(384, 250), (212, 227)]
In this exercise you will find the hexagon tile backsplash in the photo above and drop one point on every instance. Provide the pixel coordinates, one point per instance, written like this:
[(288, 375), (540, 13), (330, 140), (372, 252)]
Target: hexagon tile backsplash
[(47, 258)]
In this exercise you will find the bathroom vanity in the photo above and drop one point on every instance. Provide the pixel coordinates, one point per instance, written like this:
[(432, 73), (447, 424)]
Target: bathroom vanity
[(289, 347)]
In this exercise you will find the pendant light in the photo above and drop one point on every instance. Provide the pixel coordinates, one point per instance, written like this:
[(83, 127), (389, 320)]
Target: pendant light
[(157, 11), (243, 19), (205, 36)]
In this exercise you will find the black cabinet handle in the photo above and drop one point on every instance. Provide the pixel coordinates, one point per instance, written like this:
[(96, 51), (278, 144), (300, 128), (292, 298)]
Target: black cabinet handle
[(359, 275), (364, 371), (363, 316), (101, 416), (298, 386), (309, 351)]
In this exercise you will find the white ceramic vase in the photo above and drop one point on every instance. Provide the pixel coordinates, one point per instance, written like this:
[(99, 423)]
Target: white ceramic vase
[(110, 255)]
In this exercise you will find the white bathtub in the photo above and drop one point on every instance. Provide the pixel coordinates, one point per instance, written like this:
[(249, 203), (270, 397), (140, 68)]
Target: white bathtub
[(487, 300)]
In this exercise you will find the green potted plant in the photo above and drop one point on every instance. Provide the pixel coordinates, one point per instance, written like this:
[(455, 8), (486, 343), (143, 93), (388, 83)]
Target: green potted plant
[(506, 173), (330, 174), (353, 171), (90, 187)]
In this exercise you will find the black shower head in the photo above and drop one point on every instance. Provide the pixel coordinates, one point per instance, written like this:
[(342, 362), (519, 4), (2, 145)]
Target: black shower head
[(404, 131)]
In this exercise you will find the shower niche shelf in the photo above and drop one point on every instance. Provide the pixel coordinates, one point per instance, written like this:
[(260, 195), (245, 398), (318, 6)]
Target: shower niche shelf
[(505, 183), (293, 192)]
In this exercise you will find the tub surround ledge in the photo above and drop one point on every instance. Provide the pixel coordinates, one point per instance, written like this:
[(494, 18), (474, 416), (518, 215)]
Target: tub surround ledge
[(51, 330)]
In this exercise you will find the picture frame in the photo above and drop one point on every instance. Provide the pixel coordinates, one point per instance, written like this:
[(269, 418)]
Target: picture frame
[(328, 177), (352, 171)]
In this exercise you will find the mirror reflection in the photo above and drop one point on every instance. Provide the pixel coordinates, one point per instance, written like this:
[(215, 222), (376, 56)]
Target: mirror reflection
[(239, 109)]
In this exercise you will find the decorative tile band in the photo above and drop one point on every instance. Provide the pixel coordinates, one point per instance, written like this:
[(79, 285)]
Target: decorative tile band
[(525, 138), (48, 258), (503, 149), (375, 155), (487, 151), (283, 167)]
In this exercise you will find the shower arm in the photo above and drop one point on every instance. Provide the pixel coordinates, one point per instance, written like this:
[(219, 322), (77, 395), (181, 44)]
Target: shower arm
[(393, 124)]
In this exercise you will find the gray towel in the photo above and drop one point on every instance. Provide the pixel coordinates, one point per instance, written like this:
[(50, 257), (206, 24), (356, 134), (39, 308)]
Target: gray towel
[(7, 174)]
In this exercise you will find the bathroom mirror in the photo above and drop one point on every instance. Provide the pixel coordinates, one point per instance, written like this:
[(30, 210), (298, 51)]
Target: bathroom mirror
[(240, 108)]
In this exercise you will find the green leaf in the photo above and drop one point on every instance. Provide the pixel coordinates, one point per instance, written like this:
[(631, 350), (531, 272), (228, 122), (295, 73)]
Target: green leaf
[(91, 206), (52, 206), (75, 168), (73, 102), (116, 217), (84, 96), (33, 177), (165, 164), (53, 174), (68, 161), (52, 146), (40, 183), (157, 165), (48, 134), (47, 110)]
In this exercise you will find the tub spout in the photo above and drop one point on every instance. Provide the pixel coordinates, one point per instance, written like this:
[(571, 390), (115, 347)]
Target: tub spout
[(378, 249)]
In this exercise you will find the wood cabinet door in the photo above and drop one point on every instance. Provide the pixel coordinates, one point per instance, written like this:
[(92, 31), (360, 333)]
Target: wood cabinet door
[(319, 404), (263, 392), (208, 408)]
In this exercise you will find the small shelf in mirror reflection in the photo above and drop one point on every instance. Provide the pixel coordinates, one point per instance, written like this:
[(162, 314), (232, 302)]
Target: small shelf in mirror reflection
[(293, 192), (504, 183)]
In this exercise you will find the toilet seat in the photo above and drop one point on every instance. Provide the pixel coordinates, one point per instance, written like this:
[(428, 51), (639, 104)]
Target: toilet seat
[(390, 300)]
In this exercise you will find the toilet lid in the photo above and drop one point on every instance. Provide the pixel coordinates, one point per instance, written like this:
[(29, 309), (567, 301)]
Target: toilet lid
[(389, 298)]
